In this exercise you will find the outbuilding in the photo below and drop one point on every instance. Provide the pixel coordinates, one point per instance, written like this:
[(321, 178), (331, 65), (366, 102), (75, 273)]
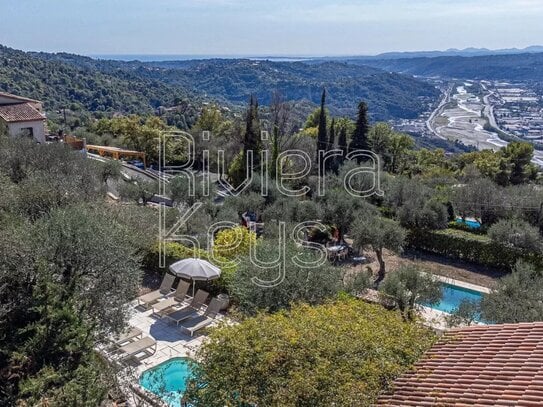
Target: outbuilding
[(23, 117)]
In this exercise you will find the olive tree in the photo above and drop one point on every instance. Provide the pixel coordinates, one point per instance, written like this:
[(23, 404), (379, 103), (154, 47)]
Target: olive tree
[(65, 281), (415, 205), (516, 233), (408, 287), (518, 297), (340, 209), (482, 199), (311, 285), (109, 170), (139, 191), (377, 234)]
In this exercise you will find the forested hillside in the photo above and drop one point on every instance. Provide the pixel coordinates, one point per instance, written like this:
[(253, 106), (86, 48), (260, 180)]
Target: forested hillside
[(83, 88), (99, 85), (527, 66), (388, 95)]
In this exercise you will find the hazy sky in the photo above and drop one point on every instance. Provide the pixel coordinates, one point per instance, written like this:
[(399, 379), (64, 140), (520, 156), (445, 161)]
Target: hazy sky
[(259, 27)]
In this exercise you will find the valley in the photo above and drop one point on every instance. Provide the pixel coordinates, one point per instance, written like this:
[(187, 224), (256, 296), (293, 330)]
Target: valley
[(467, 114)]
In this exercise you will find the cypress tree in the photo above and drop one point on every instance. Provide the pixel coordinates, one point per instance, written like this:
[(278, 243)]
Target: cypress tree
[(322, 138), (332, 139), (342, 143), (275, 152), (331, 163), (251, 139), (359, 140)]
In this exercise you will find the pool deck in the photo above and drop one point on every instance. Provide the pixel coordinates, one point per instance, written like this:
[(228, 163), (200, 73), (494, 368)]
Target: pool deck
[(462, 284), (171, 340)]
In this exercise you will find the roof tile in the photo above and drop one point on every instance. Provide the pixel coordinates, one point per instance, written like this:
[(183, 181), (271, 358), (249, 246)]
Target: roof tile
[(20, 112), (498, 365)]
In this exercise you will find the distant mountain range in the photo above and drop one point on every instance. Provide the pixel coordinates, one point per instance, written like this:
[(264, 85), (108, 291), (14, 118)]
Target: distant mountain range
[(510, 67), (466, 52), (107, 86)]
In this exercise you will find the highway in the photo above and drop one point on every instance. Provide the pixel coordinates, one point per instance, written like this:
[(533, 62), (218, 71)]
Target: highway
[(429, 123)]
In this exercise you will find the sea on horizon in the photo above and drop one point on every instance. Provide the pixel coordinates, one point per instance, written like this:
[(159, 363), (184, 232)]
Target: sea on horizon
[(184, 57)]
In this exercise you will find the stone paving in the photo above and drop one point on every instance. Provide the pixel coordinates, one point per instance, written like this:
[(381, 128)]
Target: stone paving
[(171, 340)]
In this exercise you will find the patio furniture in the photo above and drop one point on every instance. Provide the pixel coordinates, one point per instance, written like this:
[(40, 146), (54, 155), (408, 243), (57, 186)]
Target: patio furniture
[(178, 297), (195, 305), (342, 255), (196, 270), (198, 322), (359, 260), (142, 345), (165, 289), (334, 251), (126, 336)]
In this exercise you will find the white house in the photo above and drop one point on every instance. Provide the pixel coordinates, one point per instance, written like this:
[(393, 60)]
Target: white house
[(22, 116)]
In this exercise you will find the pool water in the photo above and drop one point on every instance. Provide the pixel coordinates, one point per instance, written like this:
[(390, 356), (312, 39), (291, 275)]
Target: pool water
[(168, 380), (453, 297), (472, 224)]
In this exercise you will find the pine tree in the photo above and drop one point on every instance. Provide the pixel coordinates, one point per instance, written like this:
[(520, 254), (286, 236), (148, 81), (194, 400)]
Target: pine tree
[(359, 140), (342, 143), (322, 138)]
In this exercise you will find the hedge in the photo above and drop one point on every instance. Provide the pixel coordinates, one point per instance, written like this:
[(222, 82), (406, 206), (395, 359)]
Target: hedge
[(176, 251), (479, 249)]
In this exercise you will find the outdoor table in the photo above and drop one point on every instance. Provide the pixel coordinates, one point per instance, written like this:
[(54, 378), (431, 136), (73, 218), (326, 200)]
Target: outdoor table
[(335, 249)]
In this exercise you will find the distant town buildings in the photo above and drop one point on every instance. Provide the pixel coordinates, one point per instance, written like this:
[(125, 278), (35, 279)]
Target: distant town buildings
[(518, 110), (22, 117)]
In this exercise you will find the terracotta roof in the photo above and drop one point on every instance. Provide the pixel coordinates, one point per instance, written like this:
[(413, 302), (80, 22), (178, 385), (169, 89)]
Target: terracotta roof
[(492, 365), (19, 98), (21, 112)]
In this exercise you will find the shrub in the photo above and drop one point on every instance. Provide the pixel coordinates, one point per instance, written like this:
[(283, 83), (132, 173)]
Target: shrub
[(338, 354), (231, 243)]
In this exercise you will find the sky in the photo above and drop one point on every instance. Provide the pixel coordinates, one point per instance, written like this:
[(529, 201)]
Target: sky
[(267, 28)]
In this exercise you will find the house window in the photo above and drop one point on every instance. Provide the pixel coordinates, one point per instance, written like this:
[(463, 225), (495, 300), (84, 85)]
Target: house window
[(27, 132)]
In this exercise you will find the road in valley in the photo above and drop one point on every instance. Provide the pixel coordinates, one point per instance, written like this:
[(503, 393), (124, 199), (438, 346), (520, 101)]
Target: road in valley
[(465, 118)]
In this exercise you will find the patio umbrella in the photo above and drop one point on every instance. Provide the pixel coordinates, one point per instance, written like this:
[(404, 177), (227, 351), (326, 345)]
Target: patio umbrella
[(196, 270)]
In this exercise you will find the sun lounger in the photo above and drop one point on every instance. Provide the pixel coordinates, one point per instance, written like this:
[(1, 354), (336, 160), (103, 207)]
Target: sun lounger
[(164, 290), (198, 322), (126, 336), (179, 297), (190, 310), (139, 346)]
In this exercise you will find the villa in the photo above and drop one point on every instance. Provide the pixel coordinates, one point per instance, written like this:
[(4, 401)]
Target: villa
[(22, 117)]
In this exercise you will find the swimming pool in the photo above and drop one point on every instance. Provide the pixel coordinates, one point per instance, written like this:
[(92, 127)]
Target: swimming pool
[(168, 380), (453, 296), (472, 224)]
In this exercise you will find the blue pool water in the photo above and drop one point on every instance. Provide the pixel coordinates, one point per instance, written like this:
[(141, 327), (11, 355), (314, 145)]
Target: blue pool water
[(472, 224), (168, 380), (453, 296)]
